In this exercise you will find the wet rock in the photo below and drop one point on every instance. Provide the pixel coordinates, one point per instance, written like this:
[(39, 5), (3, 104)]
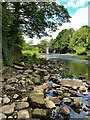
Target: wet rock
[(6, 99), (77, 102), (36, 98), (15, 96), (2, 116), (82, 89), (21, 105), (55, 85), (49, 104), (86, 109), (23, 114), (67, 100), (56, 100), (7, 109), (88, 105), (39, 113), (64, 111)]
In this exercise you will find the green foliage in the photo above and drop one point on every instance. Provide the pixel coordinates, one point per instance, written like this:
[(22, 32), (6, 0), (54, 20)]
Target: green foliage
[(30, 18), (61, 43), (80, 41), (30, 53)]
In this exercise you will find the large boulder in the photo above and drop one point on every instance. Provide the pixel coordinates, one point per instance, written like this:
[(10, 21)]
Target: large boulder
[(36, 99)]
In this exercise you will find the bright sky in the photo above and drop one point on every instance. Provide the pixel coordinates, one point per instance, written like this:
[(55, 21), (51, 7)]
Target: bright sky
[(78, 10)]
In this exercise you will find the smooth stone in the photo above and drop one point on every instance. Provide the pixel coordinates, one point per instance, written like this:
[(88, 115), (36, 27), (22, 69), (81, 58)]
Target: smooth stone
[(2, 116), (56, 100), (10, 117), (39, 113), (6, 100), (64, 111), (15, 96), (21, 105), (7, 109), (23, 114), (49, 104)]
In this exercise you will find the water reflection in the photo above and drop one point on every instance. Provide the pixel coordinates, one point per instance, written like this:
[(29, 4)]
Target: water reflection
[(77, 65)]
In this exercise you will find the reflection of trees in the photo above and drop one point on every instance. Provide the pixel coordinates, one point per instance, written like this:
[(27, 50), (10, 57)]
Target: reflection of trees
[(78, 68)]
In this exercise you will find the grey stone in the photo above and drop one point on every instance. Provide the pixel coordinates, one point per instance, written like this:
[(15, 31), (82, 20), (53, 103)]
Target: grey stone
[(7, 109), (21, 105), (23, 114)]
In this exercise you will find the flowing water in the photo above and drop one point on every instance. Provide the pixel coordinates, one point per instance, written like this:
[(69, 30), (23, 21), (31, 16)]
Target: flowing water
[(78, 67)]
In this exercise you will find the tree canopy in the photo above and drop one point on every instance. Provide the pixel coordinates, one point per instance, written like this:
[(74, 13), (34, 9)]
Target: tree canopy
[(30, 18)]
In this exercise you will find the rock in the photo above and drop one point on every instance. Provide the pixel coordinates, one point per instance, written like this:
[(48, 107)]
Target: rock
[(55, 85), (77, 102), (23, 114), (45, 86), (9, 87), (21, 105), (64, 111), (56, 100), (88, 105), (15, 96), (29, 81), (82, 89), (36, 80), (7, 109), (10, 117), (39, 113), (74, 84), (86, 109), (25, 99), (2, 116), (67, 100), (36, 98), (0, 100), (49, 104), (6, 100)]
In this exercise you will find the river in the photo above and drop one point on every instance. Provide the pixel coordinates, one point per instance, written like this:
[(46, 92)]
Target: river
[(78, 66)]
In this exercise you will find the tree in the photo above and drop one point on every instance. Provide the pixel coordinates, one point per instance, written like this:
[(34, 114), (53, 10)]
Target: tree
[(80, 41), (61, 42), (30, 18)]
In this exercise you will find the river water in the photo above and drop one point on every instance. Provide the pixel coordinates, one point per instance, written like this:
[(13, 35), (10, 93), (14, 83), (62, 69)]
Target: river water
[(78, 66)]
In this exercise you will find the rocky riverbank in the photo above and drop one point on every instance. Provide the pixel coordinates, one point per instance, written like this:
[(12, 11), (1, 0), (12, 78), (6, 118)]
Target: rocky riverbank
[(36, 91)]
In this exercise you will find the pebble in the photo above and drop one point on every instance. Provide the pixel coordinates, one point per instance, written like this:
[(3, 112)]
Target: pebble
[(6, 100), (15, 96)]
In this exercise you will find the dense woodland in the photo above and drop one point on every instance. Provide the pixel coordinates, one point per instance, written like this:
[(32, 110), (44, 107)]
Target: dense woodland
[(31, 19)]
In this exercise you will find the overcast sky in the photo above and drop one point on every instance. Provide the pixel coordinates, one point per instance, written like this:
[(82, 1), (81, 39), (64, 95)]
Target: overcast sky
[(78, 10)]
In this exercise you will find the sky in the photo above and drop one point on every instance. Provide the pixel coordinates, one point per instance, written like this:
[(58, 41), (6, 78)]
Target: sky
[(79, 12)]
